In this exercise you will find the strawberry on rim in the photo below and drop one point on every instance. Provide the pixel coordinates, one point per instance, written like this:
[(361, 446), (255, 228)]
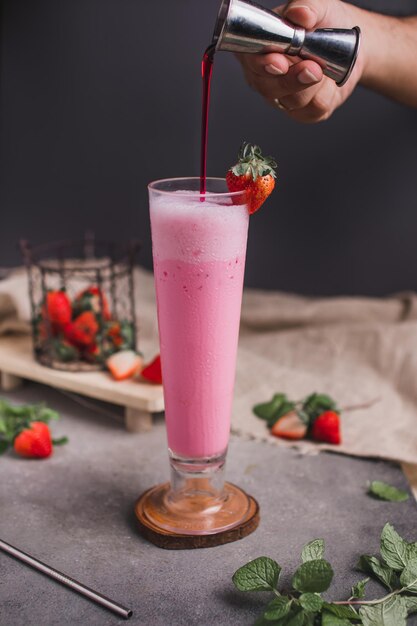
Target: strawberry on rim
[(254, 174)]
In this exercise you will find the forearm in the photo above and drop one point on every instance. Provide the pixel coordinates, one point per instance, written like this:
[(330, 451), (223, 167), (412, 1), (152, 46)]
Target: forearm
[(389, 55)]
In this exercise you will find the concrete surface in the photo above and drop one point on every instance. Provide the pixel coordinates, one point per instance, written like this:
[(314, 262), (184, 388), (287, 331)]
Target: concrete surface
[(75, 512)]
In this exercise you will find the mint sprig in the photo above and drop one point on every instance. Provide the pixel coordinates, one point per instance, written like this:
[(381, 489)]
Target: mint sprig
[(303, 604), (383, 491), (307, 409)]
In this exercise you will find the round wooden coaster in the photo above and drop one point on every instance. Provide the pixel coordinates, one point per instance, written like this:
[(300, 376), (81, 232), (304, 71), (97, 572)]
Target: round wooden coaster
[(173, 541)]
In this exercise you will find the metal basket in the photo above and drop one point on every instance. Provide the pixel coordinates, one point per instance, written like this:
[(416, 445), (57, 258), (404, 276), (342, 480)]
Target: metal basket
[(82, 301)]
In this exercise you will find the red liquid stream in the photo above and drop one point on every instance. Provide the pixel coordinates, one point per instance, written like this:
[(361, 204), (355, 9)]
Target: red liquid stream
[(206, 72)]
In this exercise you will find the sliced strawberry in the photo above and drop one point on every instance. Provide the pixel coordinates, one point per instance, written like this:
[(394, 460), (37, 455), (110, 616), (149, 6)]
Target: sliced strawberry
[(83, 330), (57, 308), (124, 364), (152, 372), (289, 426), (34, 442), (254, 174), (326, 428)]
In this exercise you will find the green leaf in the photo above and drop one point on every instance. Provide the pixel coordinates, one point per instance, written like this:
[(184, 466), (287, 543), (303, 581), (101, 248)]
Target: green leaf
[(311, 602), (274, 409), (3, 425), (373, 566), (278, 608), (313, 550), (261, 574), (408, 577), (296, 618), (383, 491), (343, 611), (313, 576), (358, 590), (3, 446), (329, 619), (394, 549), (316, 404), (60, 442), (393, 612), (411, 604)]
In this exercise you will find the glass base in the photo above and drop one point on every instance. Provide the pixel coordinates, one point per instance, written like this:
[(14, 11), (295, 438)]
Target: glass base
[(198, 513)]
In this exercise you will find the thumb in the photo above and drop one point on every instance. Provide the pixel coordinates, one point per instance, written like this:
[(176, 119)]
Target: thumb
[(307, 13)]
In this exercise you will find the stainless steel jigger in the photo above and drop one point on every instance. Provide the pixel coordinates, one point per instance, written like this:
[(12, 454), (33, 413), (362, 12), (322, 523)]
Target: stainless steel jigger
[(243, 26)]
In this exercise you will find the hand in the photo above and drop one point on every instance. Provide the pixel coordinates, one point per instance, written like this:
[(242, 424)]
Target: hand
[(299, 87)]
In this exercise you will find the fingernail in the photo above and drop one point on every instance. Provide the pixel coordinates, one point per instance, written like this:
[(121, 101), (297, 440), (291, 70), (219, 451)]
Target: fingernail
[(305, 77), (272, 69), (295, 5)]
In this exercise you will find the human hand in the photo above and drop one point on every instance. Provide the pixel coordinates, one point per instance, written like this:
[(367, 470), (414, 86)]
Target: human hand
[(297, 86)]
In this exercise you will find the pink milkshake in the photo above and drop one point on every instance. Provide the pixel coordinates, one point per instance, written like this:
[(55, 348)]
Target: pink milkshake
[(199, 257)]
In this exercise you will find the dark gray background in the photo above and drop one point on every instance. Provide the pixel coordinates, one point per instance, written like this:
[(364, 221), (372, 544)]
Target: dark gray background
[(101, 96)]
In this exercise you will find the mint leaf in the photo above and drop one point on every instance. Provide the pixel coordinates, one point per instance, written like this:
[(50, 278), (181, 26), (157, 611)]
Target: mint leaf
[(296, 618), (261, 574), (411, 604), (393, 612), (358, 590), (3, 446), (316, 404), (394, 549), (373, 566), (329, 619), (278, 608), (60, 442), (274, 409), (311, 602), (313, 576), (408, 577), (313, 550), (341, 610), (383, 491)]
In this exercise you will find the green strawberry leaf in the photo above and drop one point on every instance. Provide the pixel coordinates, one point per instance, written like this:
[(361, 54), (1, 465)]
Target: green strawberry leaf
[(313, 576), (313, 550), (261, 574), (383, 491)]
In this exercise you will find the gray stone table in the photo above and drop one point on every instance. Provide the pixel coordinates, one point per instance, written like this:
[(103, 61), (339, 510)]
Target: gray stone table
[(75, 511)]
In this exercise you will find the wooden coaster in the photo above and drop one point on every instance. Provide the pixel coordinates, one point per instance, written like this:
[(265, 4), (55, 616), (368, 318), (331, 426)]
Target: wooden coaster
[(172, 541)]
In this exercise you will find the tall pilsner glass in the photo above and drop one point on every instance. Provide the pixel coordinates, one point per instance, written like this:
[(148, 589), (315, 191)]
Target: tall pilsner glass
[(199, 248)]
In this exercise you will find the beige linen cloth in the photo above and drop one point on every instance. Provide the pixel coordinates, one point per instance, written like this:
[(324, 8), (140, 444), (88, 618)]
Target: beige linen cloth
[(355, 349)]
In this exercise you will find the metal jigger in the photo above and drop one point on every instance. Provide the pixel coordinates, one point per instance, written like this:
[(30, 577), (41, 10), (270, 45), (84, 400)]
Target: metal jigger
[(243, 26)]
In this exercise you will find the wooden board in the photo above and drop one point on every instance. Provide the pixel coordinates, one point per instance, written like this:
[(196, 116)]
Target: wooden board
[(139, 399)]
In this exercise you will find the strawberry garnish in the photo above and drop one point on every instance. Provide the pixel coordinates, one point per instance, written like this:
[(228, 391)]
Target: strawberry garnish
[(289, 426), (254, 174), (34, 442), (124, 364), (57, 308), (326, 428), (152, 372)]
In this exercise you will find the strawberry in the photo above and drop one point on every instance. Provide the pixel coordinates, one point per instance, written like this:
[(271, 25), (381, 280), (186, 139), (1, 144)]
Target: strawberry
[(152, 372), (326, 428), (57, 308), (92, 299), (34, 442), (253, 173), (83, 330), (124, 364), (290, 426), (114, 333)]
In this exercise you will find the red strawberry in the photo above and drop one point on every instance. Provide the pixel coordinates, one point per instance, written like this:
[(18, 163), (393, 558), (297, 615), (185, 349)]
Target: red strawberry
[(92, 299), (124, 364), (253, 173), (83, 330), (114, 333), (327, 428), (152, 372), (34, 442), (57, 308), (289, 426)]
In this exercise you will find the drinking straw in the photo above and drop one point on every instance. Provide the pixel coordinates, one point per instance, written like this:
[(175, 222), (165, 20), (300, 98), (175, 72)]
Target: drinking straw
[(96, 597)]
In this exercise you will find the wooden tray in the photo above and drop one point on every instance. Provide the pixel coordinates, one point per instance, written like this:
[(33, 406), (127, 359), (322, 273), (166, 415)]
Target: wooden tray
[(139, 400)]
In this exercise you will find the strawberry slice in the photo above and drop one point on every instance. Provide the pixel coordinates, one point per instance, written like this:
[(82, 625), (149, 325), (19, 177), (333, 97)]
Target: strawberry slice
[(153, 372), (254, 174), (124, 364), (326, 428), (34, 442), (289, 426)]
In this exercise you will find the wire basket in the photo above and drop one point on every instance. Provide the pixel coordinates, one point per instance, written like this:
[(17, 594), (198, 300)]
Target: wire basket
[(82, 301)]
